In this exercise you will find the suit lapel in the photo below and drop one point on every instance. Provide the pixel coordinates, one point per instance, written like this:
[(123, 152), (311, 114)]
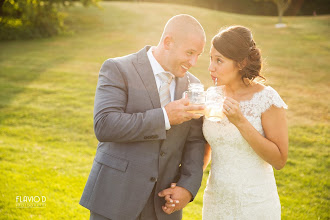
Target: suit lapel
[(180, 86), (144, 69)]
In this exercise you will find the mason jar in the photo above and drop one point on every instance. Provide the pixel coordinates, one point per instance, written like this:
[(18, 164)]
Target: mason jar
[(214, 103), (196, 96)]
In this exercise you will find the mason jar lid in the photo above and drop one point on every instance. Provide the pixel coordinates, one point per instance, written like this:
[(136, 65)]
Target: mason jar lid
[(196, 87)]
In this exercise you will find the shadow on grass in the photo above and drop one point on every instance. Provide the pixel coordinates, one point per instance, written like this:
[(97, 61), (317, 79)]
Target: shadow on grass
[(21, 63)]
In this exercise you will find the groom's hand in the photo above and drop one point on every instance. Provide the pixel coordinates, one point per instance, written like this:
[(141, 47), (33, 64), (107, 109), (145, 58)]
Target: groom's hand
[(176, 198), (177, 111)]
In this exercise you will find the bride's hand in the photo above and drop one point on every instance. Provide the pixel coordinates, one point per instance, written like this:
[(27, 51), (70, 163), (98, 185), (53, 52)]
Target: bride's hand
[(232, 111)]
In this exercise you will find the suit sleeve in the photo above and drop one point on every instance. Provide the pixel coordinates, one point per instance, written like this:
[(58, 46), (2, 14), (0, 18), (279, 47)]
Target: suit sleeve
[(111, 123), (191, 170)]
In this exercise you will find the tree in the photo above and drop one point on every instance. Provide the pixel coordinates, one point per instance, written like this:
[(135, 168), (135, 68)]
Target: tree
[(282, 6), (33, 18)]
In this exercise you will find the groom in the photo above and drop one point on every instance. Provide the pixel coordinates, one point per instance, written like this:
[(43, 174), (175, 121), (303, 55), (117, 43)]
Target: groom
[(147, 137)]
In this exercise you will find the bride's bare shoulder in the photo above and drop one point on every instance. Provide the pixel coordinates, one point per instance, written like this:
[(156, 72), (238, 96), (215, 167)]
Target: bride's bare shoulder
[(259, 87)]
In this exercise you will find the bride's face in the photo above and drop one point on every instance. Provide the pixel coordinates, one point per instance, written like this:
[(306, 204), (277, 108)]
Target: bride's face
[(223, 69)]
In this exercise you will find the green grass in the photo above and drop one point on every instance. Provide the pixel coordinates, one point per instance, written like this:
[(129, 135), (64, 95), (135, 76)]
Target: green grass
[(47, 87)]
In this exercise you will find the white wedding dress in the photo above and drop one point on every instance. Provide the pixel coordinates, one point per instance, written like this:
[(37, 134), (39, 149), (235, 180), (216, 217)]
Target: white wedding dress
[(241, 185)]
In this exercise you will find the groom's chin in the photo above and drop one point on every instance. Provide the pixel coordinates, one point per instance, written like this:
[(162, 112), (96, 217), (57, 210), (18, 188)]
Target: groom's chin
[(181, 73)]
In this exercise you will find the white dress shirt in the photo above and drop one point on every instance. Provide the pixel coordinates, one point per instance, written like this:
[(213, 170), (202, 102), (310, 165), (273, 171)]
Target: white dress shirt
[(157, 68)]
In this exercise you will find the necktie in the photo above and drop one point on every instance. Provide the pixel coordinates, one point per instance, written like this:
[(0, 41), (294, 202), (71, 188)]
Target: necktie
[(164, 90)]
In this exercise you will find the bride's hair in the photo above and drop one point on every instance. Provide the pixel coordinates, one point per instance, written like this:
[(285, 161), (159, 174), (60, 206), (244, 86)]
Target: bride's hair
[(236, 43)]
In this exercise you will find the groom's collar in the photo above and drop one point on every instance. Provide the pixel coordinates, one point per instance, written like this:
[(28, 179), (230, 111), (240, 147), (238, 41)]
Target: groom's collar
[(156, 67)]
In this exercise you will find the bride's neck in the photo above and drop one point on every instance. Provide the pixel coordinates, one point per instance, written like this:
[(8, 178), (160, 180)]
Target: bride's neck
[(235, 88)]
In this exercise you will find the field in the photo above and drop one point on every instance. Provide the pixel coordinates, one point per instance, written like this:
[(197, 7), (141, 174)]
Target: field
[(47, 88)]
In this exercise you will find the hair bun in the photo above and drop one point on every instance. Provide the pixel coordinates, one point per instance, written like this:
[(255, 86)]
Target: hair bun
[(254, 54)]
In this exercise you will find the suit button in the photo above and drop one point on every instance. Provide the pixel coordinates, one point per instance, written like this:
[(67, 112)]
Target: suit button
[(162, 153), (153, 179)]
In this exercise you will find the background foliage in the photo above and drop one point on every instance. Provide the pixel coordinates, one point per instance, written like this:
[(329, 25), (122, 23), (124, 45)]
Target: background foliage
[(33, 18)]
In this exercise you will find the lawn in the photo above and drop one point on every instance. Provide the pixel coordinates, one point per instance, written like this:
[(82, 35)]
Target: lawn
[(47, 87)]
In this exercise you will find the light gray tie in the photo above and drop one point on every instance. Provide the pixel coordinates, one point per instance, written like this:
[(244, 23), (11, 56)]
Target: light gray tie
[(164, 90)]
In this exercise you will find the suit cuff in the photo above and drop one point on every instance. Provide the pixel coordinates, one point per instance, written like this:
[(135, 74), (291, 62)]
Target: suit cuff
[(167, 121), (192, 187)]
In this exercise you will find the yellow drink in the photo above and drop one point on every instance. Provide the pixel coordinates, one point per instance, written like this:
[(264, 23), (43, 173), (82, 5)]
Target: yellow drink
[(198, 112), (214, 113)]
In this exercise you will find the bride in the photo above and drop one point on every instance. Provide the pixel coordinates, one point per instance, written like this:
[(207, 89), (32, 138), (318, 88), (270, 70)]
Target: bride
[(250, 140)]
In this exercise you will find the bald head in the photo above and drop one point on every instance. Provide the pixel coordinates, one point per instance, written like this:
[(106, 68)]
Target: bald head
[(181, 26), (181, 44)]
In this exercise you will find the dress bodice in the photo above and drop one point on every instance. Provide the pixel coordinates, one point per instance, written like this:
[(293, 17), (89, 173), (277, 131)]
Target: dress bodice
[(238, 174), (229, 148)]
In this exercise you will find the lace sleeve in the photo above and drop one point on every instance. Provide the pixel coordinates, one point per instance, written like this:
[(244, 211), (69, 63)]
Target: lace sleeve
[(273, 98)]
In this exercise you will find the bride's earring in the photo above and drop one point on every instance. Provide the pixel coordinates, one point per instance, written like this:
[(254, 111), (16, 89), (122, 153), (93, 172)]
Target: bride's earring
[(216, 82)]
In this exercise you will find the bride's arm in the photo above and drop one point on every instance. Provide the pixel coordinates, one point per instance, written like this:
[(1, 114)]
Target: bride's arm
[(207, 155), (273, 148), (275, 127)]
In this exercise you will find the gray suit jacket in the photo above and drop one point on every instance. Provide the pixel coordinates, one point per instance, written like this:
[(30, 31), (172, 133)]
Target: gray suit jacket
[(135, 151)]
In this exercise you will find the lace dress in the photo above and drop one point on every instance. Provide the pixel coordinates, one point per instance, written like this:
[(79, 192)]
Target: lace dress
[(241, 185)]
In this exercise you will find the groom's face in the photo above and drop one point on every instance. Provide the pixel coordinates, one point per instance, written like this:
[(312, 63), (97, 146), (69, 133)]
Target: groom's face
[(183, 54)]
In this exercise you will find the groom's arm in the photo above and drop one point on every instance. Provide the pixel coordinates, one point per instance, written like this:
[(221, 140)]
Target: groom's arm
[(191, 170), (111, 123)]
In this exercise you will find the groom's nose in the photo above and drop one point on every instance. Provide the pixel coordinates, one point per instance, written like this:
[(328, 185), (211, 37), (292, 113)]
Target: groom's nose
[(193, 60)]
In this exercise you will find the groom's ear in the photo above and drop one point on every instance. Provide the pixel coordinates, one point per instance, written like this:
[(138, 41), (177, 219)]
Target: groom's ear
[(167, 42)]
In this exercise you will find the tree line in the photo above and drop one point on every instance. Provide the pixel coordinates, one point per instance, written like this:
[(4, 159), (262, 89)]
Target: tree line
[(23, 19), (254, 7)]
